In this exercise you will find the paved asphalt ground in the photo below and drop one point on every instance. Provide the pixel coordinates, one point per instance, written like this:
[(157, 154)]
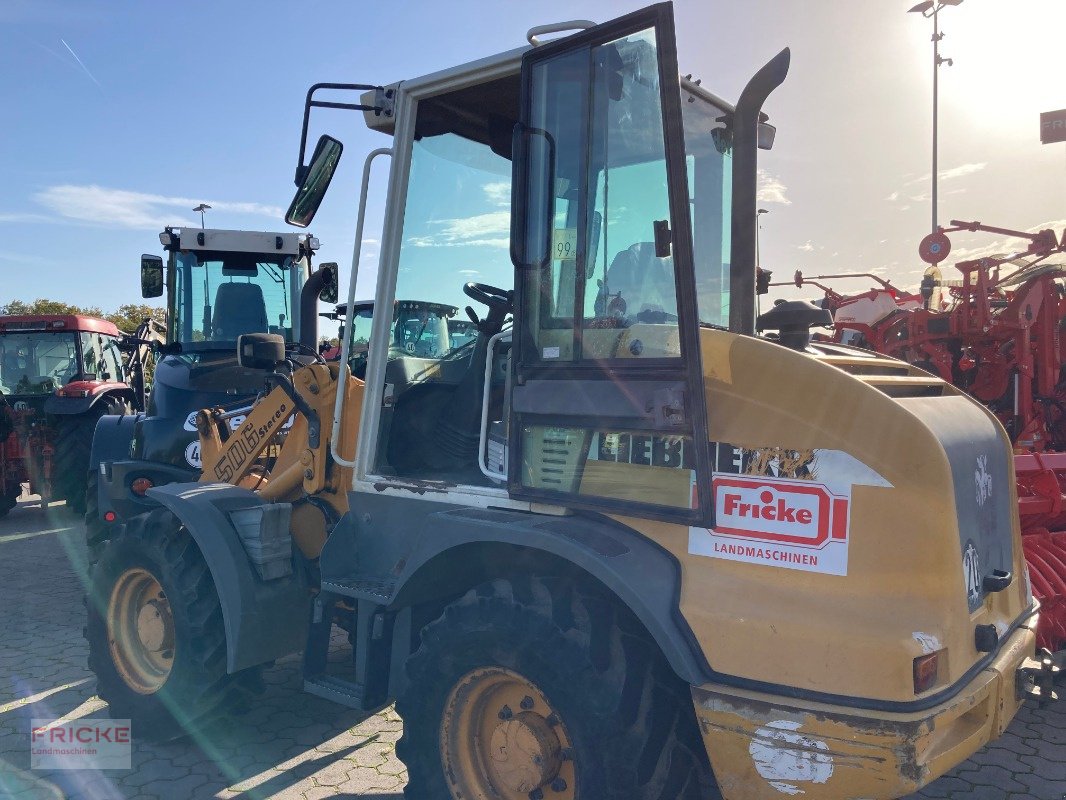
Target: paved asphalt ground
[(291, 745)]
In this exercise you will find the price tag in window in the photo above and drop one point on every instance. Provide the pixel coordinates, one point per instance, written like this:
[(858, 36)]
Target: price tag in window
[(564, 244)]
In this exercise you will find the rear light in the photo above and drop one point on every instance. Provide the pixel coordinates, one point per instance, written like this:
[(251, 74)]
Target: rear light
[(925, 671), (140, 486), (109, 516)]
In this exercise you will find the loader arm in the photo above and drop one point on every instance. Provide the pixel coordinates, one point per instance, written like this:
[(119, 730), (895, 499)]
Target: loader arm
[(272, 451)]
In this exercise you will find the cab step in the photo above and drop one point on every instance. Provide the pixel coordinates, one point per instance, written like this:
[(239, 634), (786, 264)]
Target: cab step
[(336, 689)]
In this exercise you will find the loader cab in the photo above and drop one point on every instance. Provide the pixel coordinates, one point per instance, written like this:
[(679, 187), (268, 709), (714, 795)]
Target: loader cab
[(222, 284), (578, 281)]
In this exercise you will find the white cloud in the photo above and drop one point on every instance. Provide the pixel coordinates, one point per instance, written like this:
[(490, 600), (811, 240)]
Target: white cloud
[(806, 247), (499, 194), (771, 189), (947, 174), (485, 230), (892, 198), (16, 217), (100, 205)]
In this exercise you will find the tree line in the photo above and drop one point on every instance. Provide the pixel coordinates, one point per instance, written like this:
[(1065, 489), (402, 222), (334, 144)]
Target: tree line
[(126, 317)]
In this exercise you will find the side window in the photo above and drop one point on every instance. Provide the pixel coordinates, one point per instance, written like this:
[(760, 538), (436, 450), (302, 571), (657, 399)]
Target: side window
[(112, 359), (90, 354)]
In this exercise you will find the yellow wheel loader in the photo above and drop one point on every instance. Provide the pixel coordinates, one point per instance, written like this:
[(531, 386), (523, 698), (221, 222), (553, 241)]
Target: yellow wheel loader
[(617, 545)]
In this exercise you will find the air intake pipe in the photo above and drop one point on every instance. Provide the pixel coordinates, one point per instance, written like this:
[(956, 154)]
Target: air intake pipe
[(745, 187), (325, 275)]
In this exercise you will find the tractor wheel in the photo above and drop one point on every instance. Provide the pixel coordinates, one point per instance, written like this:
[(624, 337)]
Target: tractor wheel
[(96, 533), (156, 639), (535, 687), (73, 446), (9, 498)]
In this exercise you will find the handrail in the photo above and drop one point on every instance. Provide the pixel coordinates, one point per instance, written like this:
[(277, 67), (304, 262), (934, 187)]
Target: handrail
[(533, 34), (484, 433), (344, 372)]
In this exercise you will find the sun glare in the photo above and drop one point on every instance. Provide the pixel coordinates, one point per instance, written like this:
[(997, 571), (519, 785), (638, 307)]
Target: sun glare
[(1008, 62)]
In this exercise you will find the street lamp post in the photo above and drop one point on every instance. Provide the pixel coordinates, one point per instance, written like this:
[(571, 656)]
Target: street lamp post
[(202, 208), (931, 8)]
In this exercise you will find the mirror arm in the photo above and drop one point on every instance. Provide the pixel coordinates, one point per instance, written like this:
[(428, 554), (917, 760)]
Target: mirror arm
[(382, 107)]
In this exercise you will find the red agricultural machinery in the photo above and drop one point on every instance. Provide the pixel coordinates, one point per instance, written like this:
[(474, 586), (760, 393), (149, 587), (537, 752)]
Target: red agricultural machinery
[(58, 375), (995, 332)]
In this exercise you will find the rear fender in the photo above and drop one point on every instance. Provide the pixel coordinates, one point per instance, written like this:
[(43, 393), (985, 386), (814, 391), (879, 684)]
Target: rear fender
[(264, 619), (72, 406)]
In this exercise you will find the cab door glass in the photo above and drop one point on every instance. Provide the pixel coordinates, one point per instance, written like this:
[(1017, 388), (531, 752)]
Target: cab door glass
[(608, 291)]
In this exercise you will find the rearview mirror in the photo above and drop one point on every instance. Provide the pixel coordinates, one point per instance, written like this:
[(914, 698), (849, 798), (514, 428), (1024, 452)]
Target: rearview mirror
[(330, 272), (315, 182), (151, 276), (260, 350)]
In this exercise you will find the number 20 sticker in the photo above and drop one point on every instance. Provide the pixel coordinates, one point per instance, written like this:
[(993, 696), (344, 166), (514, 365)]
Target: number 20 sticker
[(564, 244)]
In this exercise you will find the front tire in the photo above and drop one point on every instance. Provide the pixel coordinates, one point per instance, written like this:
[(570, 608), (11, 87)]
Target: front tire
[(536, 685), (156, 638)]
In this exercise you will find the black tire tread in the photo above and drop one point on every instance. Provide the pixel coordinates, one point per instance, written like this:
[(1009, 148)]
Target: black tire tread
[(204, 690), (637, 711), (73, 447)]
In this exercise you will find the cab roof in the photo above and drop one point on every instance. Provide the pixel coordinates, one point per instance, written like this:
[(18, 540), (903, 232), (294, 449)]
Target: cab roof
[(57, 323)]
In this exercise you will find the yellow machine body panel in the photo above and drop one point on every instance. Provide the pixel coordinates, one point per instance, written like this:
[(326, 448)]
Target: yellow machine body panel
[(828, 656)]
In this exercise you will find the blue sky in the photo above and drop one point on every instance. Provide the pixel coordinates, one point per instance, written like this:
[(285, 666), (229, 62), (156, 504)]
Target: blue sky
[(120, 116)]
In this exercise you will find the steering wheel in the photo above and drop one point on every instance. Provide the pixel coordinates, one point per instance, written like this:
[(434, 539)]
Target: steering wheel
[(492, 296)]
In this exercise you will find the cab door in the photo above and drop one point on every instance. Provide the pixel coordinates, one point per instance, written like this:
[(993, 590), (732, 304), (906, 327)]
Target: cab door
[(608, 403)]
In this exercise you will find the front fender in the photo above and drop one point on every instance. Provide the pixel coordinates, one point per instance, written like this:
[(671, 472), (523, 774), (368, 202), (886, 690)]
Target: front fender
[(264, 619), (112, 438)]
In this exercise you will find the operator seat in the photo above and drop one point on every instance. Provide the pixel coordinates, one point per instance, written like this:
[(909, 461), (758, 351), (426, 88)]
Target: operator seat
[(644, 281), (239, 309)]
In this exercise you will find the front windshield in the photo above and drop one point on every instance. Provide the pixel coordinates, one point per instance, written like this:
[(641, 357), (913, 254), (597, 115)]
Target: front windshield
[(216, 297), (37, 363), (421, 329)]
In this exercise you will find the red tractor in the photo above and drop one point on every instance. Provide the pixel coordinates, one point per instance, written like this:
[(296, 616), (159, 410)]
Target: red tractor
[(995, 332), (59, 373)]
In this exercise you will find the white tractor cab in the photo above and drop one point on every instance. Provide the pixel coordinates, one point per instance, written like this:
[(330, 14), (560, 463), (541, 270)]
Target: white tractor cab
[(219, 284)]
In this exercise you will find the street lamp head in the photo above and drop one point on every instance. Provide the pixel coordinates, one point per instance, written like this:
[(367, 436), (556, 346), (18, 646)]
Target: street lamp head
[(922, 7), (202, 207), (762, 211), (950, 2)]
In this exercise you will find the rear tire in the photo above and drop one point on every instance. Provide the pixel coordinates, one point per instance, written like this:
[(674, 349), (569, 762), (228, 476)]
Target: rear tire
[(9, 498), (159, 653), (73, 447), (614, 707)]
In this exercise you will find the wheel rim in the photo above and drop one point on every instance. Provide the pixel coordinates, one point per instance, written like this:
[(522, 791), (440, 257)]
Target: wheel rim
[(501, 739), (140, 630)]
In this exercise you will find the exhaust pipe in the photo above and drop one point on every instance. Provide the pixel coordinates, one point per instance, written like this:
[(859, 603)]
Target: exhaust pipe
[(319, 279), (745, 187)]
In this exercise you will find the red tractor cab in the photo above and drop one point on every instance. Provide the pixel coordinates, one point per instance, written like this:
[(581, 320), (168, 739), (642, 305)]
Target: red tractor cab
[(58, 374)]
